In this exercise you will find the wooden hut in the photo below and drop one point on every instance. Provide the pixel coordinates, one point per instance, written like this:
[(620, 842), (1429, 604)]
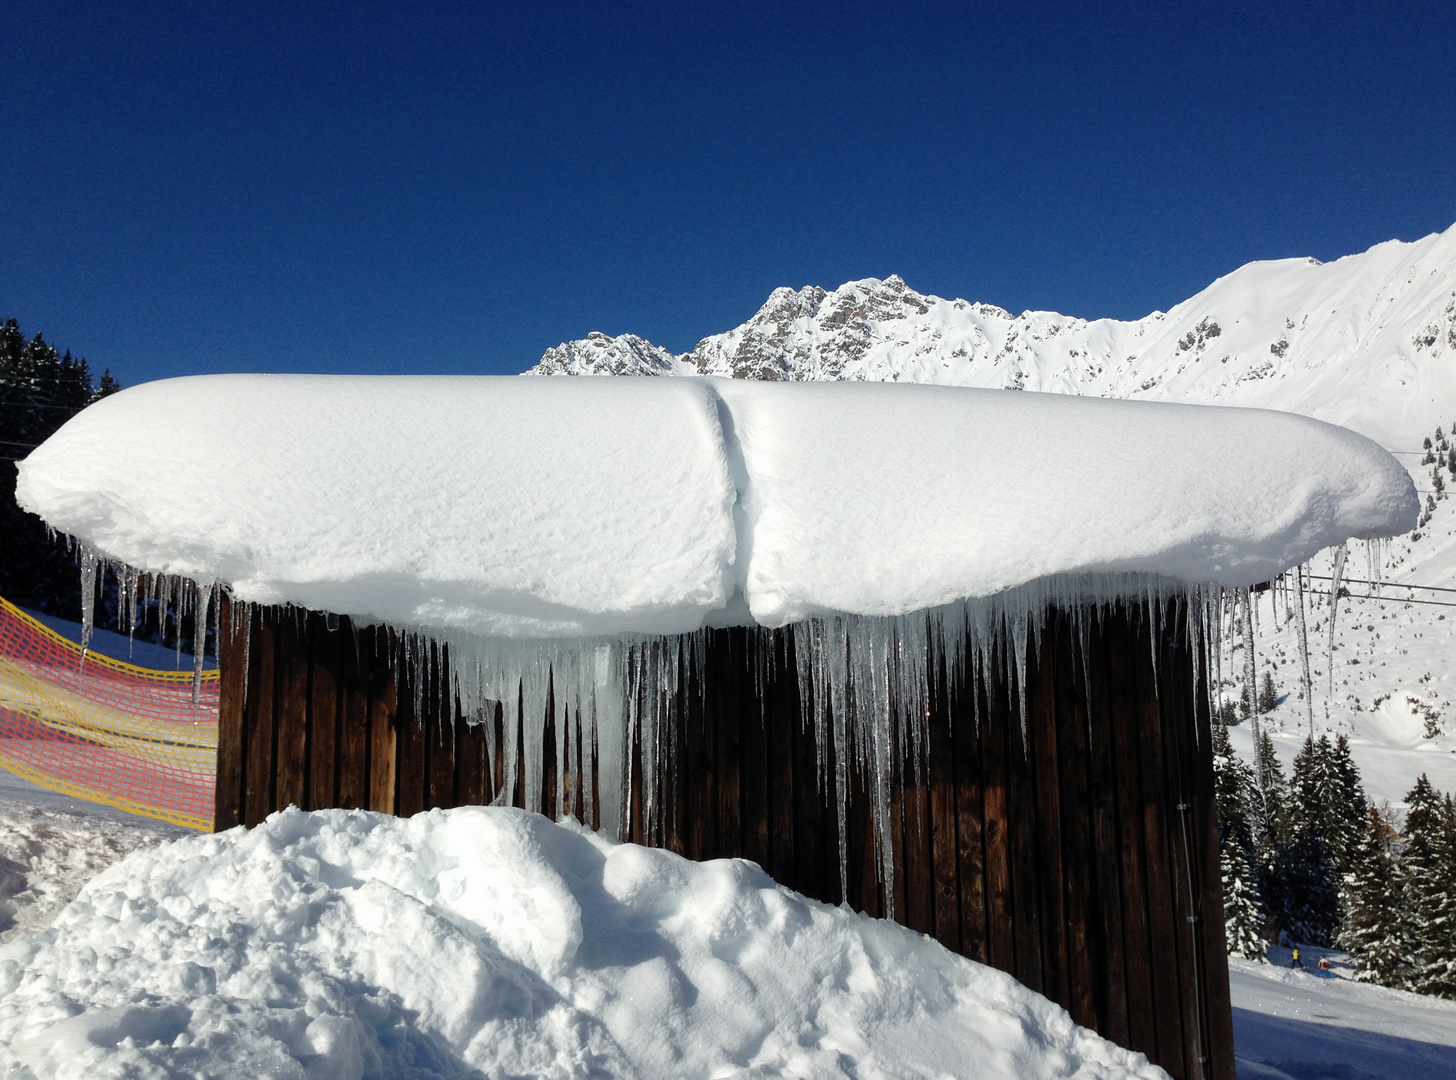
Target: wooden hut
[(938, 654), (1079, 854)]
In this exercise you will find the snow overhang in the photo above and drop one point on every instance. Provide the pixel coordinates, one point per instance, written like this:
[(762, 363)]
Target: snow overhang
[(540, 508)]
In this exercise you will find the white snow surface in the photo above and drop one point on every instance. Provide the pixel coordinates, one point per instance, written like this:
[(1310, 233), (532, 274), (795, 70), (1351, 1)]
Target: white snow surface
[(348, 944), (1291, 1025), (567, 508)]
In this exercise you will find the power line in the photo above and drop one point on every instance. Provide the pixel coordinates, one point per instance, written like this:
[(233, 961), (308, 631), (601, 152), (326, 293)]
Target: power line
[(28, 405), (1380, 584), (1389, 599)]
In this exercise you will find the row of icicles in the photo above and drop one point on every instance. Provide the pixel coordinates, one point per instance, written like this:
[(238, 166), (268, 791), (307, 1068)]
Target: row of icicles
[(872, 670)]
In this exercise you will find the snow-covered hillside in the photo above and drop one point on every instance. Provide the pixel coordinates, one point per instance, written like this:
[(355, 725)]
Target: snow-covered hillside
[(1367, 341)]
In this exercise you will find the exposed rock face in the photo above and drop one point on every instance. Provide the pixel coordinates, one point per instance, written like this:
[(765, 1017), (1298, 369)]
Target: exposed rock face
[(1367, 340), (599, 354)]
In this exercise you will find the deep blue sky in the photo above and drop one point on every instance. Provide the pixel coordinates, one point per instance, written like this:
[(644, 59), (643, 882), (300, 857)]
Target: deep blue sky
[(379, 188)]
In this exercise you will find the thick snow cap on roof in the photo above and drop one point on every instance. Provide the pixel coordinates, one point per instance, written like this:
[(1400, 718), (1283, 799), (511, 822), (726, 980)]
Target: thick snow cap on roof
[(570, 507)]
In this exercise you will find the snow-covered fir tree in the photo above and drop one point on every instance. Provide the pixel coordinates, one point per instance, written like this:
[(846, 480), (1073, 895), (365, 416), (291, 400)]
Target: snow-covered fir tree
[(1306, 903), (1377, 931), (1430, 855), (1349, 809), (1243, 911)]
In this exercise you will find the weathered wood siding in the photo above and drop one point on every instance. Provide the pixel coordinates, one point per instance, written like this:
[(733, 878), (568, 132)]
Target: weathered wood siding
[(1082, 858)]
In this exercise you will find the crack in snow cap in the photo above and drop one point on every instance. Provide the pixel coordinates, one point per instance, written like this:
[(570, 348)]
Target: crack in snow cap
[(558, 508)]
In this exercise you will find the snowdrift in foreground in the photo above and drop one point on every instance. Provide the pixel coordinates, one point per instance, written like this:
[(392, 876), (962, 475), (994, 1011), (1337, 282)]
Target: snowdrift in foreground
[(567, 508), (349, 944)]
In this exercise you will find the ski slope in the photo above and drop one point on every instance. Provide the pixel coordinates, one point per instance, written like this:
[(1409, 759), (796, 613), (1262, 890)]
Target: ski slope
[(1291, 1025)]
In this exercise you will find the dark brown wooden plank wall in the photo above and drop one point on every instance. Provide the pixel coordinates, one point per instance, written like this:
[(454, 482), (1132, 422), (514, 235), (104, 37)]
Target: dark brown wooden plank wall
[(1080, 855)]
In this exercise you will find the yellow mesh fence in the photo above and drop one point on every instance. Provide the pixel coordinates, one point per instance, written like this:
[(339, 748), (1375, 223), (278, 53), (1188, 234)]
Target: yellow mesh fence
[(104, 730)]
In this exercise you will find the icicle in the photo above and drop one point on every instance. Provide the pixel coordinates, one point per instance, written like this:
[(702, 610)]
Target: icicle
[(1018, 632), (836, 666), (88, 599), (1335, 577), (1216, 616), (1192, 617), (1303, 646), (1260, 780), (180, 615), (199, 640)]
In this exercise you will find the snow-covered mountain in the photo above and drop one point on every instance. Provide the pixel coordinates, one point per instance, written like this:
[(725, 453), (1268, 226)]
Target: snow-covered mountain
[(1367, 341)]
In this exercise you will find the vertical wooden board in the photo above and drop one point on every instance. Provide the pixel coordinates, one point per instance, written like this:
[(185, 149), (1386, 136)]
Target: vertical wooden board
[(700, 773), (292, 755), (1176, 699), (779, 687), (1113, 640), (754, 746), (1084, 963), (410, 745), (519, 713), (568, 772), (866, 890), (895, 785), (674, 761), (638, 827), (723, 652), (498, 760), (384, 699), (945, 879), (1162, 896), (549, 782), (354, 719), (595, 774), (967, 726), (1022, 814), (323, 714), (1054, 651), (1000, 921), (229, 787), (816, 873), (471, 764), (914, 797), (442, 731), (1106, 867)]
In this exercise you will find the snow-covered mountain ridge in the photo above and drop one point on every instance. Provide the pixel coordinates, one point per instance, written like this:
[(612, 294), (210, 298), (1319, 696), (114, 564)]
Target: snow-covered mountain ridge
[(1367, 341)]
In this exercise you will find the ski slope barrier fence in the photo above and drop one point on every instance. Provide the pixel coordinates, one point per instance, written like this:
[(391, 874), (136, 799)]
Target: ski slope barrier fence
[(103, 730)]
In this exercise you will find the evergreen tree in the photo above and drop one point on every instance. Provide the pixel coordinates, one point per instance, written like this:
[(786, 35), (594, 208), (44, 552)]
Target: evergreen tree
[(1377, 931), (1430, 852), (1234, 796), (40, 389), (1307, 905), (1349, 810), (1269, 813), (1268, 695)]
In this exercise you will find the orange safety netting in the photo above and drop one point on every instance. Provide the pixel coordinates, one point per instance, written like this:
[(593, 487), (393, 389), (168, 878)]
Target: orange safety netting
[(104, 730)]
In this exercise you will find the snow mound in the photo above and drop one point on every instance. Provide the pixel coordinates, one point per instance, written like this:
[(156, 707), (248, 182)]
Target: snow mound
[(542, 508), (348, 944)]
